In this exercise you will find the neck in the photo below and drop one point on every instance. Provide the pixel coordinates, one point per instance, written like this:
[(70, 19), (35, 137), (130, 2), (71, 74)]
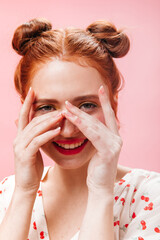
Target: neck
[(70, 181)]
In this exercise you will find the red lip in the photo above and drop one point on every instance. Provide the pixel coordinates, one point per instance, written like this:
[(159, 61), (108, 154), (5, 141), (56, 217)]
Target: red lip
[(70, 151), (70, 141)]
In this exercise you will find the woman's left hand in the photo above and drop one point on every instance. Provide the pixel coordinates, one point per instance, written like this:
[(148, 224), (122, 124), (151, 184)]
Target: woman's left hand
[(102, 168)]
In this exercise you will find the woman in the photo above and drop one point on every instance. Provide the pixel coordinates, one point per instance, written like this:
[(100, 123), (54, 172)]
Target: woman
[(69, 84)]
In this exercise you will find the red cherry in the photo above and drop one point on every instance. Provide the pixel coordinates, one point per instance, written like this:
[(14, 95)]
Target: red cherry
[(142, 197), (133, 200), (42, 235), (143, 222), (128, 185), (121, 181), (133, 215), (115, 223), (126, 225), (149, 207), (116, 198), (140, 238), (135, 189), (0, 192), (34, 225), (146, 199), (39, 193), (157, 230)]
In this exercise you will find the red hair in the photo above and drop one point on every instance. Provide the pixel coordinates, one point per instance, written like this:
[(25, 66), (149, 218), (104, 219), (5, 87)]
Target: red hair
[(95, 47)]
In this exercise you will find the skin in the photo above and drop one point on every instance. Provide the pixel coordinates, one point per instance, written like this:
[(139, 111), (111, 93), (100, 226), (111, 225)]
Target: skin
[(49, 83), (88, 176)]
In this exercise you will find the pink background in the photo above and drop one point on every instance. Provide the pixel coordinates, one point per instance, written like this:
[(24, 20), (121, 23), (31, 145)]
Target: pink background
[(139, 104)]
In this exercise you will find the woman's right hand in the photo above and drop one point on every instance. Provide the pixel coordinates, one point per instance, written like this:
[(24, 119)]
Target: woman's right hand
[(30, 137)]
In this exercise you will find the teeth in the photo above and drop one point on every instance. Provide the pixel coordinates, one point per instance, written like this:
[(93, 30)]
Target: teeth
[(70, 146)]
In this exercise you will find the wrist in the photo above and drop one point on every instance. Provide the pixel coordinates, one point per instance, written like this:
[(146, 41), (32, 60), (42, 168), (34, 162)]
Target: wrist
[(102, 199), (27, 194)]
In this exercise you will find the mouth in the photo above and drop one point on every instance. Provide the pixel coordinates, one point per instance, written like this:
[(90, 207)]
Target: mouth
[(70, 148)]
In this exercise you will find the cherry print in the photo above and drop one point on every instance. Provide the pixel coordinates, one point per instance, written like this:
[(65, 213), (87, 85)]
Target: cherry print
[(0, 192), (140, 238), (157, 230), (116, 223), (146, 199), (143, 225), (123, 201), (42, 235), (39, 193), (116, 198), (128, 185), (34, 225), (135, 189), (133, 200), (121, 181), (149, 207), (126, 225), (133, 215)]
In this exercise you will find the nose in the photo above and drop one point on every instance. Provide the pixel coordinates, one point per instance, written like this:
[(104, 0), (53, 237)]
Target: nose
[(68, 129)]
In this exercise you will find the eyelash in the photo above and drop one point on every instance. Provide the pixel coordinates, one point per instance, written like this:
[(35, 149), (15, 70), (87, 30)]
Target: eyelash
[(52, 108), (43, 108), (92, 106)]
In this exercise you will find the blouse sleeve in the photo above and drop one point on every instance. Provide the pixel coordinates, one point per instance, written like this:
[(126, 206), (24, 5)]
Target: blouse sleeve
[(6, 191), (144, 214)]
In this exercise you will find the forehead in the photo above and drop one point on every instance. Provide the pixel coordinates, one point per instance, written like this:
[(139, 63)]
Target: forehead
[(65, 79)]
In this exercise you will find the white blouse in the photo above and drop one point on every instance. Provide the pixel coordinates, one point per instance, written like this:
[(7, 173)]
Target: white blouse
[(136, 207)]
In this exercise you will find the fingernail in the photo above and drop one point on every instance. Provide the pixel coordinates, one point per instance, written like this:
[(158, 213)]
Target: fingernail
[(101, 89), (59, 115), (57, 129), (68, 104), (29, 89)]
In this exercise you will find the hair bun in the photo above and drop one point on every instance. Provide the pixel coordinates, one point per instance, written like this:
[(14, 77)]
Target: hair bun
[(116, 42), (28, 31)]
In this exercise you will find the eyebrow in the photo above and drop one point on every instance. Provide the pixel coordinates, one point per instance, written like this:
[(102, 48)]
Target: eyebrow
[(76, 99)]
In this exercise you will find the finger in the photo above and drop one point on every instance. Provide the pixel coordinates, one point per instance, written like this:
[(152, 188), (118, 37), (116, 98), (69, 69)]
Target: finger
[(56, 115), (109, 114), (39, 129), (25, 110), (39, 141), (92, 128)]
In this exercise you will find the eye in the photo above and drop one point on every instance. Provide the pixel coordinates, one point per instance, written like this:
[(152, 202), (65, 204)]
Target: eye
[(88, 106), (45, 108)]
